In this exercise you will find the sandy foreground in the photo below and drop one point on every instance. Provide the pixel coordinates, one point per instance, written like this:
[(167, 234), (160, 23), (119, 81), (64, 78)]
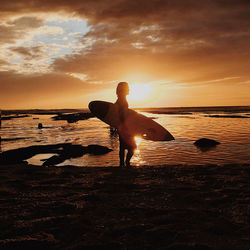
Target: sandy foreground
[(168, 207)]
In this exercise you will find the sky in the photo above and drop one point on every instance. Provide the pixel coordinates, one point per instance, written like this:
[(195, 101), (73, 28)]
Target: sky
[(64, 54)]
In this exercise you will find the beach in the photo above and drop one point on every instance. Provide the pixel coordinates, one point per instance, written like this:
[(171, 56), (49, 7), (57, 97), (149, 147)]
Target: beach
[(149, 207), (160, 86)]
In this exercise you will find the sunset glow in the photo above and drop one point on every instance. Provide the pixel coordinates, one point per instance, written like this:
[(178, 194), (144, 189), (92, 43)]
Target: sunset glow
[(138, 142), (139, 91), (58, 55)]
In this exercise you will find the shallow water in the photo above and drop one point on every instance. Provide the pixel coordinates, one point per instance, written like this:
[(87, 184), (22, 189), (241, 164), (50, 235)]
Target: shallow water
[(233, 133)]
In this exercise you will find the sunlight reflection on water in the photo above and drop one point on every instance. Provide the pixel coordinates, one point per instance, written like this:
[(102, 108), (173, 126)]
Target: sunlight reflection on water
[(233, 134)]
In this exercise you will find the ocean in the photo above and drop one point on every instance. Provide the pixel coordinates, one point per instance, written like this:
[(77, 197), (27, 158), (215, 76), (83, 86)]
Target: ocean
[(228, 125)]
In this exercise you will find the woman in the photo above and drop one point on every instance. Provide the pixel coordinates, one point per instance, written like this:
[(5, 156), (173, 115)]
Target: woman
[(127, 141)]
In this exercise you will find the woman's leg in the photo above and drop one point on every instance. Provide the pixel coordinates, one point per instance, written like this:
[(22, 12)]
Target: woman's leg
[(121, 153), (129, 156)]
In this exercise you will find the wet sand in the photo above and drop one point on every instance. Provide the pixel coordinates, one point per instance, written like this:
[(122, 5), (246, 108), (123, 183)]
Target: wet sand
[(168, 207)]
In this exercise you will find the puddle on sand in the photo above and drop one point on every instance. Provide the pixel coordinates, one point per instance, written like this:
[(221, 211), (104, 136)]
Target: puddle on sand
[(38, 159)]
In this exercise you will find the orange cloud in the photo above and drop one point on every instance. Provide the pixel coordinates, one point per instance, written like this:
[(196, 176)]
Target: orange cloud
[(188, 42), (44, 91)]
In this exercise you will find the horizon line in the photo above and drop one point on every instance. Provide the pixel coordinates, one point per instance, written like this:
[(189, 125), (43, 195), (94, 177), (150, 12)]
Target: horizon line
[(161, 107)]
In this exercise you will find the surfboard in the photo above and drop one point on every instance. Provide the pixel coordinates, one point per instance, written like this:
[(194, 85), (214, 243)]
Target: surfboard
[(136, 124)]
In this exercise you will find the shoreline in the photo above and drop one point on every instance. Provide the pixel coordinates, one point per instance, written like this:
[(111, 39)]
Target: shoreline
[(151, 207)]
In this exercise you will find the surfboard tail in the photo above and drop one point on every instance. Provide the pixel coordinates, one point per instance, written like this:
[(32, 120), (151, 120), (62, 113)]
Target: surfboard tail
[(169, 137)]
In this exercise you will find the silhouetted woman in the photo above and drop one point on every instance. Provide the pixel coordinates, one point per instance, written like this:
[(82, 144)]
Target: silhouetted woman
[(127, 141)]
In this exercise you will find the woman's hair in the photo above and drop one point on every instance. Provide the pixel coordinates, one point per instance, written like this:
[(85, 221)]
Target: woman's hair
[(122, 89)]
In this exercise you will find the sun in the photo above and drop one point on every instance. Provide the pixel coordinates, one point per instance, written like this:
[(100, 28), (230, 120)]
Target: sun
[(139, 91)]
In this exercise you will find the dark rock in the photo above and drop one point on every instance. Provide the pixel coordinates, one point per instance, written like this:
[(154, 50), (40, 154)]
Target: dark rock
[(97, 149), (21, 154), (13, 116), (75, 151), (54, 160), (63, 152), (206, 143), (40, 126), (71, 118)]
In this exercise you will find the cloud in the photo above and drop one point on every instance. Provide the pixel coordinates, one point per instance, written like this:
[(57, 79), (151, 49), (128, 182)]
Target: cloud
[(28, 52), (190, 41), (182, 41), (32, 41), (12, 30), (25, 22), (45, 90)]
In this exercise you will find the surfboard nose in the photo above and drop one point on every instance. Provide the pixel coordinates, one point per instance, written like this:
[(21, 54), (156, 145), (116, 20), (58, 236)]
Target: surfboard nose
[(94, 107), (99, 108), (91, 106)]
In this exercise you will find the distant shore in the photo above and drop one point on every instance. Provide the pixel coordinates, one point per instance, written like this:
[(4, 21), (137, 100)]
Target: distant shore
[(170, 109), (160, 207)]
